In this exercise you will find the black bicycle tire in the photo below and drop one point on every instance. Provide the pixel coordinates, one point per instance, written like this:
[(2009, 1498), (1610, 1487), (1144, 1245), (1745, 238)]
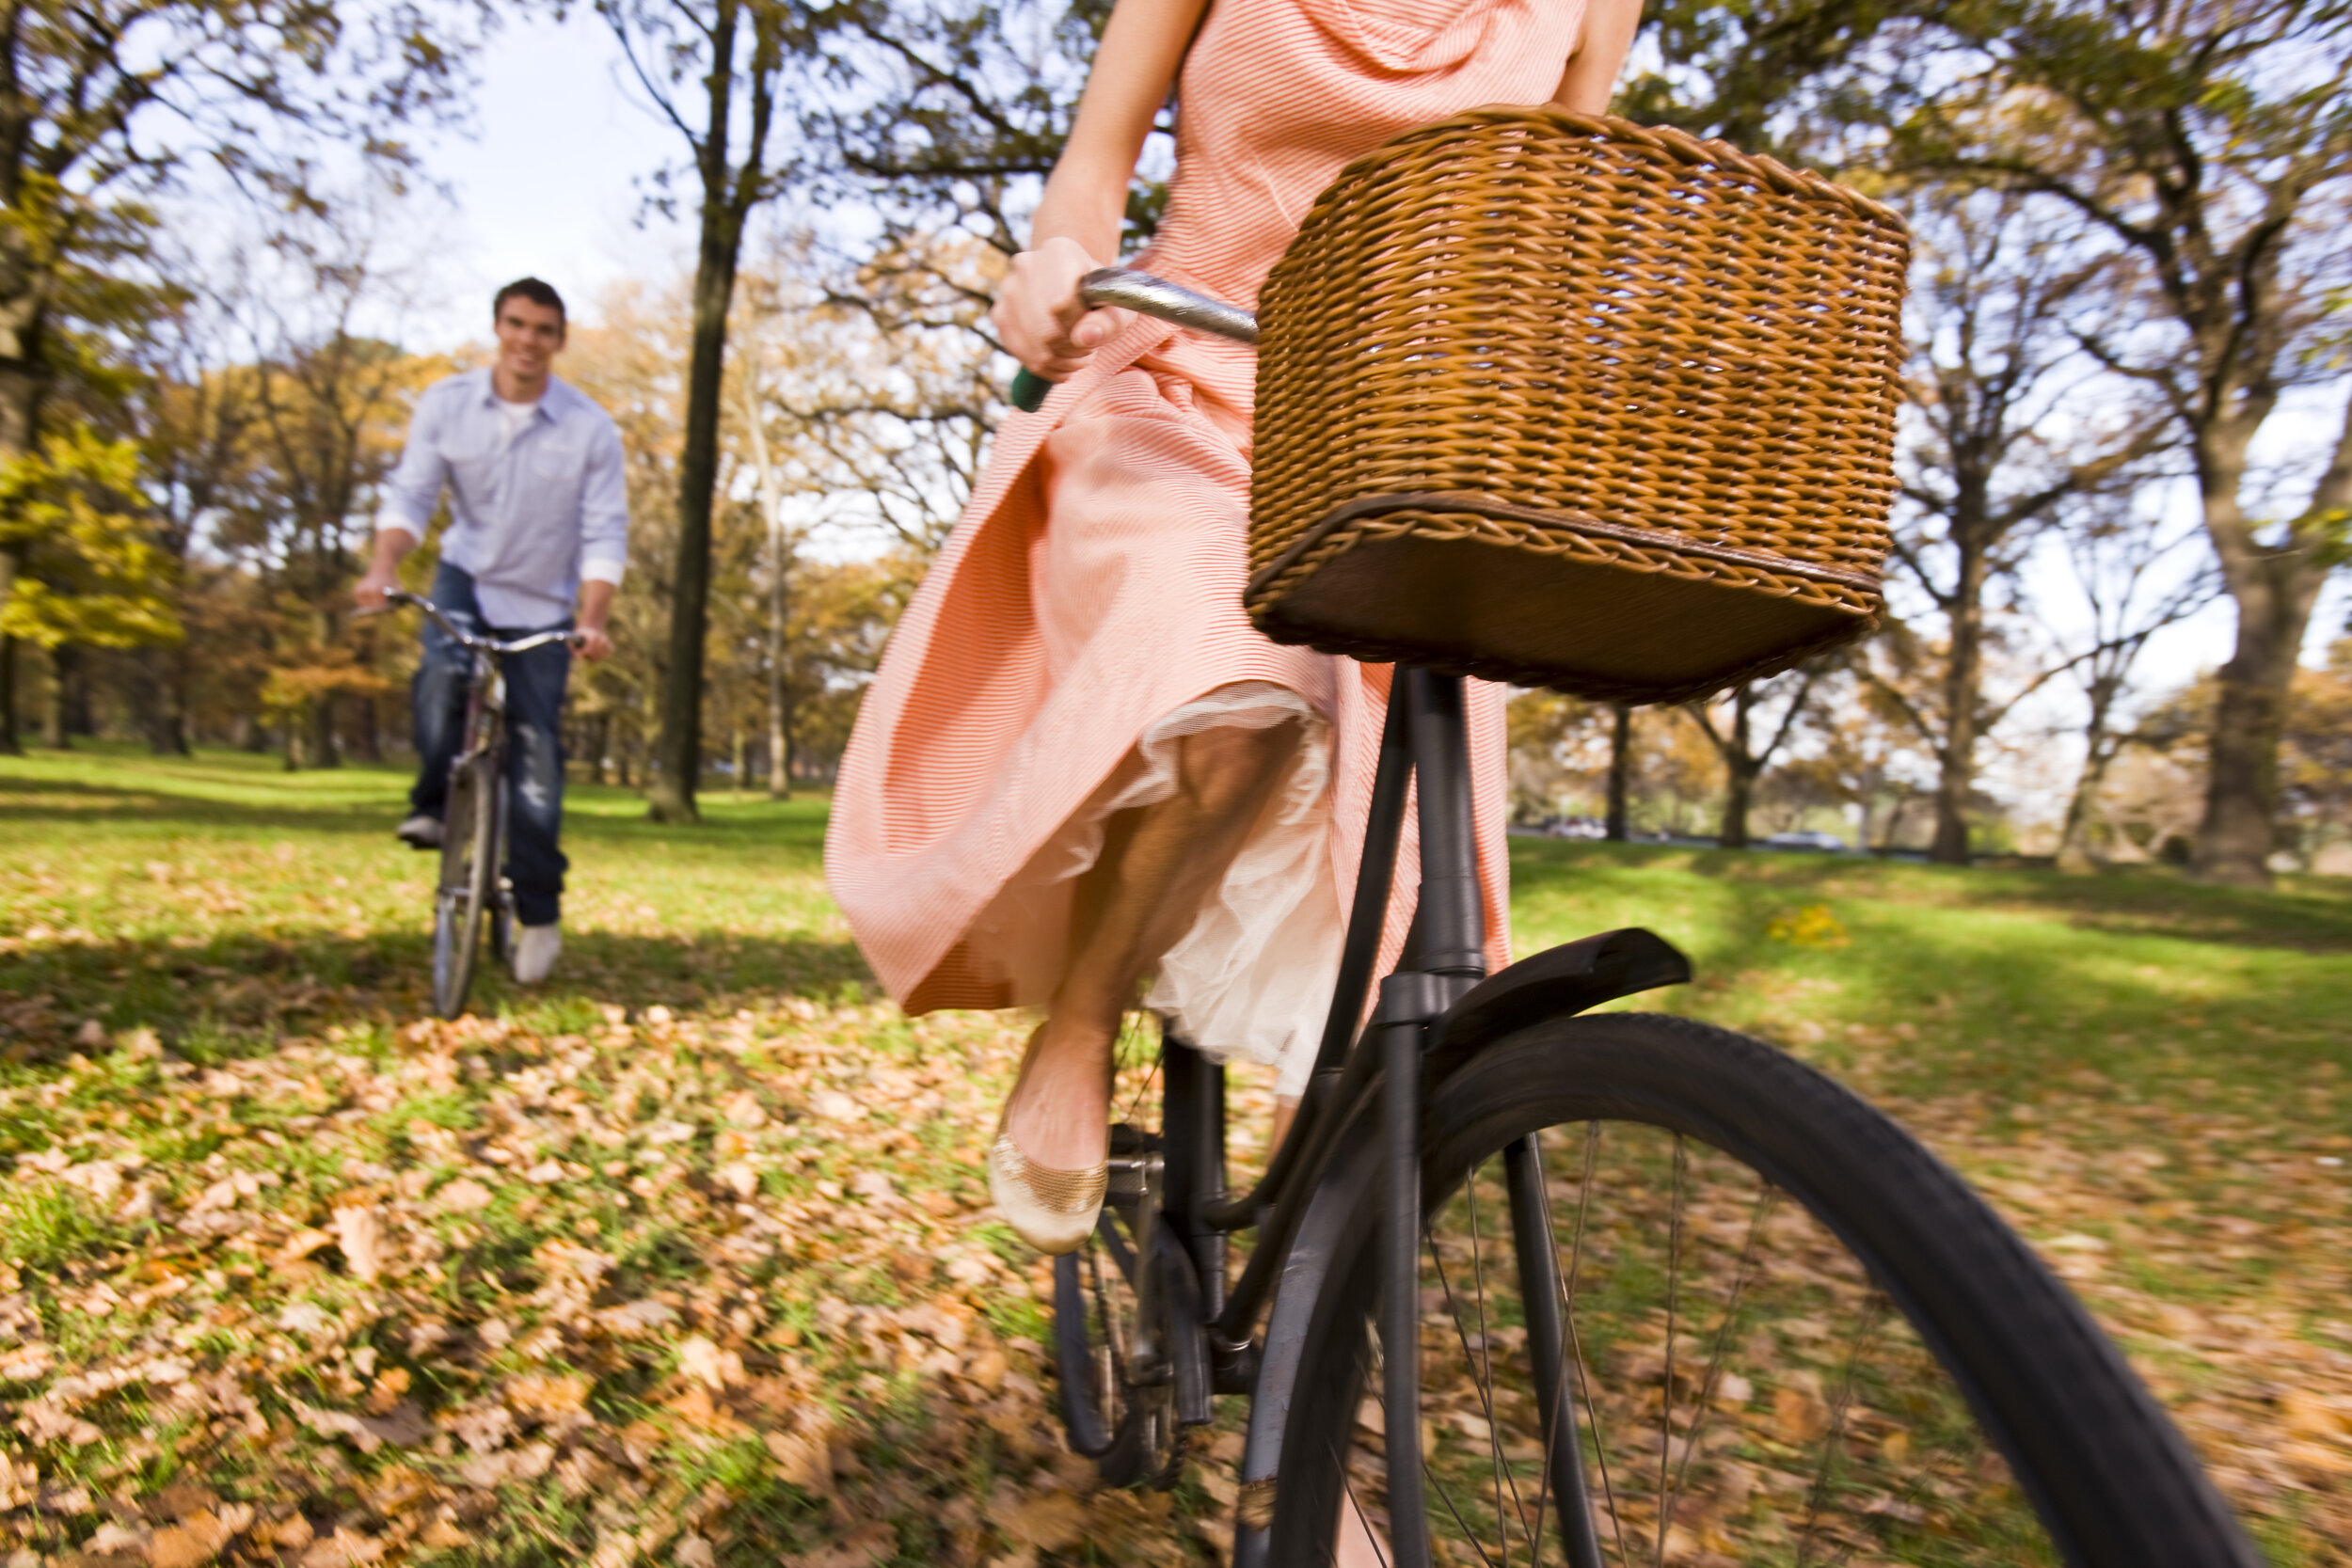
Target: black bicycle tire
[(1121, 1459), (457, 920), (2111, 1477)]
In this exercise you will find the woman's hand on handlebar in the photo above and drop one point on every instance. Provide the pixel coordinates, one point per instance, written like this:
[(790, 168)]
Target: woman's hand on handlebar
[(1040, 316)]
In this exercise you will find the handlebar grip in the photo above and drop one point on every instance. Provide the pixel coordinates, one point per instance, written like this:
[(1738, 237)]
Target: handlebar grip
[(1028, 391), (1152, 296)]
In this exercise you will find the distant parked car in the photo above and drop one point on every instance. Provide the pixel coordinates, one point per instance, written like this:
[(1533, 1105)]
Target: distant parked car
[(1829, 842), (1577, 827)]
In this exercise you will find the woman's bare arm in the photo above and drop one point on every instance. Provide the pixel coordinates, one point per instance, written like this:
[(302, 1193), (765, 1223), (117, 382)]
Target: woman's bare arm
[(1591, 77), (1077, 229)]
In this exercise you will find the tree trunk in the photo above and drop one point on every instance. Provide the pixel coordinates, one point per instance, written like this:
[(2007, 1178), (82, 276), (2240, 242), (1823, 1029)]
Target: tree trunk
[(1738, 796), (2276, 588), (1620, 768), (52, 724), (2074, 848), (366, 737), (1741, 765), (325, 748), (2237, 836), (367, 730), (23, 313), (74, 693), (678, 760), (163, 715), (9, 745), (740, 759), (779, 756), (1963, 677)]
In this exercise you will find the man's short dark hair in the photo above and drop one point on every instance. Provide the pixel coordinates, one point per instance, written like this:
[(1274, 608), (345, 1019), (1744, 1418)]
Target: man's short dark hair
[(533, 290)]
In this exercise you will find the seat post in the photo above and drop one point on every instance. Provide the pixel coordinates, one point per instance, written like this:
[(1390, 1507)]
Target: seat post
[(1450, 924)]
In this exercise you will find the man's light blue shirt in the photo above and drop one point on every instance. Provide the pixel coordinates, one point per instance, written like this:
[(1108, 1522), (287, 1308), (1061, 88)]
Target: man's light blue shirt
[(530, 515)]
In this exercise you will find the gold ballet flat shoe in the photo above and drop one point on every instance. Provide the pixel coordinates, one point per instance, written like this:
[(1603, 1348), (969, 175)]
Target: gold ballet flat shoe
[(1052, 1211)]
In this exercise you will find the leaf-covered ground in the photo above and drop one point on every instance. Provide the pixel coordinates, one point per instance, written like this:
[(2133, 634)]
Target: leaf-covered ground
[(685, 1259)]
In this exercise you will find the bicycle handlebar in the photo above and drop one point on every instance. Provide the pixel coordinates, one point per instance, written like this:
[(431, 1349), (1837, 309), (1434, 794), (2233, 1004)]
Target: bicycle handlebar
[(467, 639), (1128, 289)]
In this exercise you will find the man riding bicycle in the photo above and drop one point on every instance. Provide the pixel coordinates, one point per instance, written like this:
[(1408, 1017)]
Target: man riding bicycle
[(539, 524)]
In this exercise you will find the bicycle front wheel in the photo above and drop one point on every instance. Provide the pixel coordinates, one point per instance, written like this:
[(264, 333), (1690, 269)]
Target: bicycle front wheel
[(470, 857), (1685, 1300)]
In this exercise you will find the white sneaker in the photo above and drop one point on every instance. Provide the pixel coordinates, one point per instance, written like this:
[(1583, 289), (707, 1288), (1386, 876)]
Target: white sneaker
[(420, 831), (535, 947)]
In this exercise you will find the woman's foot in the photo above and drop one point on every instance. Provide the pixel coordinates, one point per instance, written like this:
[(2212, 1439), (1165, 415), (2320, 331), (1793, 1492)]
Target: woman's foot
[(1048, 1166)]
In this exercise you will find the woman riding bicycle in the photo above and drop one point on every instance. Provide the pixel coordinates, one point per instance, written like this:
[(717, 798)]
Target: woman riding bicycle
[(1080, 764)]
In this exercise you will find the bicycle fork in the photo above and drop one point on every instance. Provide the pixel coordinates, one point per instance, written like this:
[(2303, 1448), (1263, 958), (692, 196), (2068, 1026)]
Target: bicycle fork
[(1445, 956)]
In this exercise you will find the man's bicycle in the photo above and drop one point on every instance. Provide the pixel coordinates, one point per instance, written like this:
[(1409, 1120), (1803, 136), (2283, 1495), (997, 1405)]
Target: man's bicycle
[(472, 890), (1531, 1283)]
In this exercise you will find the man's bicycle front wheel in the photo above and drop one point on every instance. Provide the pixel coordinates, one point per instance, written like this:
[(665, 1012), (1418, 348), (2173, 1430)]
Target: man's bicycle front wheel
[(1686, 1300), (469, 858)]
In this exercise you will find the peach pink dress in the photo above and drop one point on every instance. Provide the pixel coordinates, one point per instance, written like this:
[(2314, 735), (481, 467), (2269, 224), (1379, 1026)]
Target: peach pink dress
[(1086, 612)]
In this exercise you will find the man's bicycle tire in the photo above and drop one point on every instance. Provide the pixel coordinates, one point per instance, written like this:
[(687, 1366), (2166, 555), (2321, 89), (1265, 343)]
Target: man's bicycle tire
[(1860, 1362), (470, 857)]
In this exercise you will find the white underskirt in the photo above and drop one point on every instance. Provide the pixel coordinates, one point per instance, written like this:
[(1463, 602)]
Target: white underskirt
[(1251, 979)]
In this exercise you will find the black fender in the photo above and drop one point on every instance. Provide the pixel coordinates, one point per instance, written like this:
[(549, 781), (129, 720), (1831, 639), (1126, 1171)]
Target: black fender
[(1569, 978)]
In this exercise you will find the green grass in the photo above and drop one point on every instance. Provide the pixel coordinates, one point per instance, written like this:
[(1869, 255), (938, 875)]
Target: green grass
[(220, 899), (212, 970), (2003, 981)]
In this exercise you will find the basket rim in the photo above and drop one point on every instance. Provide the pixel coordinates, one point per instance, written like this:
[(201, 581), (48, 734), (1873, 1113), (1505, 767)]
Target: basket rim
[(1263, 580), (1682, 145)]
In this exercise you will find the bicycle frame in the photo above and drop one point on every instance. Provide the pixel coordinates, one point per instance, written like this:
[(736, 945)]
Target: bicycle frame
[(484, 729), (1433, 1012), (1435, 1008)]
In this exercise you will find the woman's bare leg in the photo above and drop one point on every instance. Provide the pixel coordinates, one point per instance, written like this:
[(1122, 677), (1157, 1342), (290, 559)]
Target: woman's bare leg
[(1357, 1546), (1158, 863)]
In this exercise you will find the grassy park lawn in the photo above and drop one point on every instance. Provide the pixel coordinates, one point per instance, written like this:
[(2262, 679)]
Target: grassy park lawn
[(684, 1257)]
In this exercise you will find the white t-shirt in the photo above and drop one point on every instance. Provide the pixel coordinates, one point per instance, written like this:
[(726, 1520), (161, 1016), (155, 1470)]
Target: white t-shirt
[(513, 418)]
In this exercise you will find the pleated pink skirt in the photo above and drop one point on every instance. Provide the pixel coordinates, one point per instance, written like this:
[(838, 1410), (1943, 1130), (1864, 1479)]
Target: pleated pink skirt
[(1085, 615)]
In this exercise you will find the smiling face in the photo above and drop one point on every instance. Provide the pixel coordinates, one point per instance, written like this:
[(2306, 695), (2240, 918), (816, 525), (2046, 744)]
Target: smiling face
[(529, 336)]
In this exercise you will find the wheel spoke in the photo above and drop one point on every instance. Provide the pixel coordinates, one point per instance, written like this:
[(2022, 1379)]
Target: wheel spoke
[(1666, 1398), (1487, 1406), (1723, 1339), (1487, 1383), (1837, 1425), (1576, 1348), (1348, 1487), (1114, 1375), (1445, 1496)]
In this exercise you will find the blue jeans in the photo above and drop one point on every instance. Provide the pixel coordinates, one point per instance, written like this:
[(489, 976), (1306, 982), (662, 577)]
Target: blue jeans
[(535, 742)]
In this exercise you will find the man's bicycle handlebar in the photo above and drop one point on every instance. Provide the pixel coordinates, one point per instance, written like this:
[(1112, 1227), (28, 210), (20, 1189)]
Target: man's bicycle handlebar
[(1140, 292), (467, 640)]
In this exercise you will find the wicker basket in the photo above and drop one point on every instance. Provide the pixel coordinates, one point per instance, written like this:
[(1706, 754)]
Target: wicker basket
[(1558, 399)]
